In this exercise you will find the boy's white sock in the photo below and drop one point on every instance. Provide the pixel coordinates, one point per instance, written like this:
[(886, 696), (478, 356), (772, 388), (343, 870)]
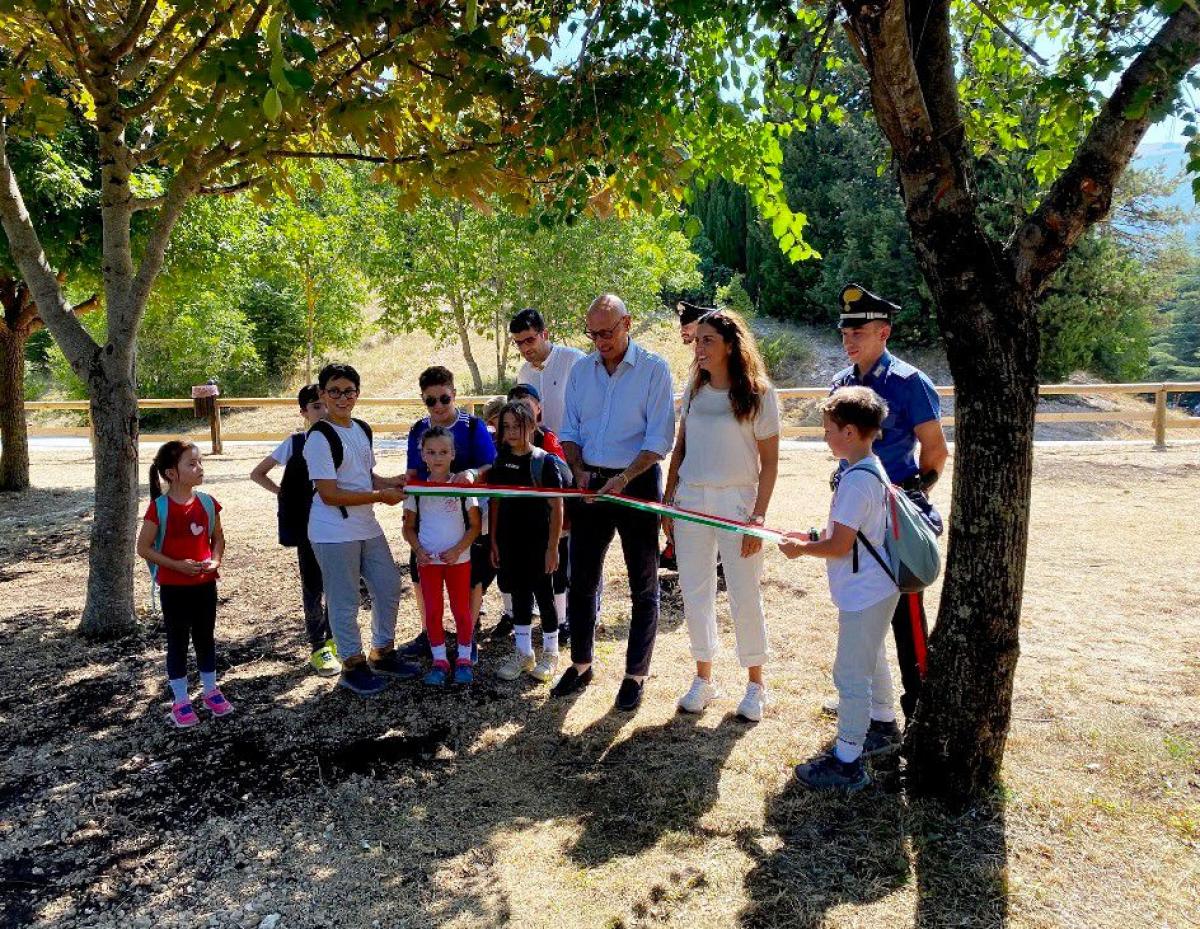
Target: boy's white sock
[(846, 752), (550, 642), (560, 605), (439, 652), (506, 602), (524, 637), (179, 689)]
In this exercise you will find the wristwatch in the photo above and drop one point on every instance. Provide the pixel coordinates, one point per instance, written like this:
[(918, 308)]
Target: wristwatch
[(756, 520)]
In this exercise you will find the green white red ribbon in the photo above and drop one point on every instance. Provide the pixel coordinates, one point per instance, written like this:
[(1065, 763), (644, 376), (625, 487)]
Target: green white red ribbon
[(506, 492)]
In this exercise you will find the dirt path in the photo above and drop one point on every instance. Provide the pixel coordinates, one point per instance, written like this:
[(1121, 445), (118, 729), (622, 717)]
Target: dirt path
[(498, 807)]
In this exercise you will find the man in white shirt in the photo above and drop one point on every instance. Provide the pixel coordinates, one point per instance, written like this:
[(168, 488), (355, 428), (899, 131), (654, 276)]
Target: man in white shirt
[(547, 366), (618, 424)]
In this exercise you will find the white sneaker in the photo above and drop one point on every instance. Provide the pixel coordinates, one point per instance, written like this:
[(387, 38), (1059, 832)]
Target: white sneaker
[(751, 707), (516, 665), (699, 695), (546, 667)]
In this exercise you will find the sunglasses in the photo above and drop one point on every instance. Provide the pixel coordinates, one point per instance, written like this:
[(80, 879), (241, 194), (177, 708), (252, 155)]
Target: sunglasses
[(528, 340), (434, 401)]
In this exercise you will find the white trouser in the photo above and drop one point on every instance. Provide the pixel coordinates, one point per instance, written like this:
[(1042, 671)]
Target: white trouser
[(696, 549), (860, 670)]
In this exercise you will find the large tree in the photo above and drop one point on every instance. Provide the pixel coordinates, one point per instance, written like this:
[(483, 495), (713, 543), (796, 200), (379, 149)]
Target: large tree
[(188, 99), (1119, 66)]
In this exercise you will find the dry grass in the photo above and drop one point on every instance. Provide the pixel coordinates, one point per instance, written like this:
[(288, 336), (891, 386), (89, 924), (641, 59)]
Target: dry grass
[(500, 807)]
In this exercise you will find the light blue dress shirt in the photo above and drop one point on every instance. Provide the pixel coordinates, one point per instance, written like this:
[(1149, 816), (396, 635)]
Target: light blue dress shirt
[(613, 417)]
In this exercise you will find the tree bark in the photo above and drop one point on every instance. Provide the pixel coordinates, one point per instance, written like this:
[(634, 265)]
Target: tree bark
[(464, 338), (14, 456)]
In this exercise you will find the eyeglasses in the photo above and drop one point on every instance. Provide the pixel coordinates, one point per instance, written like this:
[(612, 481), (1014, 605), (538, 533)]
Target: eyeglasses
[(527, 341), (444, 399), (337, 393), (597, 334)]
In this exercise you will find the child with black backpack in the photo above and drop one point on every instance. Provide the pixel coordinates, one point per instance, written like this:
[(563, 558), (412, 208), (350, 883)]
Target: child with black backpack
[(182, 540), (295, 493), (862, 587), (440, 531), (525, 537)]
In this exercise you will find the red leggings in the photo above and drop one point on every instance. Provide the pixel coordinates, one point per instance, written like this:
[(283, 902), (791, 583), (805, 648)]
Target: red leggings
[(457, 581)]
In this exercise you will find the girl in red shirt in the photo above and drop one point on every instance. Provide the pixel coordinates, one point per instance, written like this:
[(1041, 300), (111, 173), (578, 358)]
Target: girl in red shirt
[(185, 558)]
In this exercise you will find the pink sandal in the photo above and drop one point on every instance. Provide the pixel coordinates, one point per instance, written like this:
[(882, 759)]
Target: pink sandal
[(217, 704), (182, 716)]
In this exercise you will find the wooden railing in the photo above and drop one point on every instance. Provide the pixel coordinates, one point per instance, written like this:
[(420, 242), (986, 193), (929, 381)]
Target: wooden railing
[(1158, 416)]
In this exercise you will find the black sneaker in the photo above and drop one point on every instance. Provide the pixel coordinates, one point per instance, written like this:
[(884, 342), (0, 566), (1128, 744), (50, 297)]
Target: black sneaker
[(360, 679), (882, 739), (667, 560), (393, 665), (629, 697), (571, 682), (828, 773), (503, 628), (564, 634), (417, 648)]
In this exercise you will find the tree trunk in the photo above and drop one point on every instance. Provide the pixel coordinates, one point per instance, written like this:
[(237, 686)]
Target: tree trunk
[(110, 609), (14, 456), (957, 739), (464, 338)]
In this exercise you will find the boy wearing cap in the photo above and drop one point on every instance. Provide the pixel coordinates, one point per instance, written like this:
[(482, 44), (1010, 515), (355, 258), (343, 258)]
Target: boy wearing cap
[(914, 418)]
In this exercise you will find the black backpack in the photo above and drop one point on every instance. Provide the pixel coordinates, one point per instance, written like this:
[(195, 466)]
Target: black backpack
[(335, 448), (295, 496)]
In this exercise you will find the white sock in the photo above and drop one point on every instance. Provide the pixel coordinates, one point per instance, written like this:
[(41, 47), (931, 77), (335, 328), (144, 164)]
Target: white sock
[(179, 690), (550, 642), (506, 602), (209, 681), (439, 652), (560, 604), (524, 637), (847, 752), (883, 714)]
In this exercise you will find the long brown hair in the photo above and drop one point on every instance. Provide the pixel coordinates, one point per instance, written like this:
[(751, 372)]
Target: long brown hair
[(748, 381), (166, 458)]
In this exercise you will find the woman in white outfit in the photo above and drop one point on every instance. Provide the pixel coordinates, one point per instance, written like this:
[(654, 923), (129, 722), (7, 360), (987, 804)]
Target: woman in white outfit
[(725, 463)]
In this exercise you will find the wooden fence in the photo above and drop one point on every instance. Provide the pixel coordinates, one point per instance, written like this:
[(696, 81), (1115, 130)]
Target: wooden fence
[(1158, 417)]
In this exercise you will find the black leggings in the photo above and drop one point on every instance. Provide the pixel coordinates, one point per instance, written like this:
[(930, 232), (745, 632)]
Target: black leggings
[(524, 590), (189, 612)]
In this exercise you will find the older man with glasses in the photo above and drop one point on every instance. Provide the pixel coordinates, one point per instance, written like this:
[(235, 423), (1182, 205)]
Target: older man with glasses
[(618, 424)]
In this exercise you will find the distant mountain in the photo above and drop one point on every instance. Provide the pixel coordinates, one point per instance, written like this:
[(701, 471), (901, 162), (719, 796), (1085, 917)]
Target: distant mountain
[(1171, 159)]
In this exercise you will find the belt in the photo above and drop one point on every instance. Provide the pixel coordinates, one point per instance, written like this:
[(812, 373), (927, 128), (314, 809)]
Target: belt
[(603, 472)]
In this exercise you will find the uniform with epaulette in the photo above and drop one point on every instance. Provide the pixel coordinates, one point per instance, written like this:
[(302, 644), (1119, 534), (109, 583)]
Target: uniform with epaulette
[(912, 401)]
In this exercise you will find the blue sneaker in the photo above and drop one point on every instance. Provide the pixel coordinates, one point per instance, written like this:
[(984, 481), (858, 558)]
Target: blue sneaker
[(438, 674), (417, 648), (360, 679), (463, 675), (830, 773), (393, 665)]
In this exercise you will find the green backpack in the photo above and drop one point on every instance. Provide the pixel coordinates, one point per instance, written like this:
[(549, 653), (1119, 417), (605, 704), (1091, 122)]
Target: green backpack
[(913, 561)]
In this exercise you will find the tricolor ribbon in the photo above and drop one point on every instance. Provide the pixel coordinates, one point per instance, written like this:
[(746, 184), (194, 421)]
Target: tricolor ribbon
[(505, 492)]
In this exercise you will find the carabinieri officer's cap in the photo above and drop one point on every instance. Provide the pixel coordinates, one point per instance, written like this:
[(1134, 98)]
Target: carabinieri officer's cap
[(860, 306)]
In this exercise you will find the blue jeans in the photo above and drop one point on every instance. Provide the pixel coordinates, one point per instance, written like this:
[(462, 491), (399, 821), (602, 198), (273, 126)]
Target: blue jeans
[(593, 526), (342, 564)]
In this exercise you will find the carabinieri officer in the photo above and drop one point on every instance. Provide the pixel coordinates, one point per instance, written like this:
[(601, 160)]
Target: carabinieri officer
[(914, 417)]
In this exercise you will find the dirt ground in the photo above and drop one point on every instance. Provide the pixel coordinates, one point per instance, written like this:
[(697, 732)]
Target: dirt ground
[(310, 807)]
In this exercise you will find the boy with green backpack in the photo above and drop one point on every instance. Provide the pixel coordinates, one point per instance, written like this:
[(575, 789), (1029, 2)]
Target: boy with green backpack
[(875, 544)]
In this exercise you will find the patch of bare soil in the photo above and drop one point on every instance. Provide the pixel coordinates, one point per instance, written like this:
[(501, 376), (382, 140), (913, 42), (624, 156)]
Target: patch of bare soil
[(496, 806)]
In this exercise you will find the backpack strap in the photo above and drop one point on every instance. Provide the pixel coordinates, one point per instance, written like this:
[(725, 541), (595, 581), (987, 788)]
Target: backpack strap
[(859, 537), (365, 427), (161, 505), (210, 510), (336, 451), (537, 466)]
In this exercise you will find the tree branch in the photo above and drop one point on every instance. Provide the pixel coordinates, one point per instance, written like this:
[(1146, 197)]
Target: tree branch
[(377, 159), (1082, 195), (158, 93), (216, 190), (135, 30), (141, 57), (36, 323), (182, 187), (64, 35), (26, 248), (256, 18)]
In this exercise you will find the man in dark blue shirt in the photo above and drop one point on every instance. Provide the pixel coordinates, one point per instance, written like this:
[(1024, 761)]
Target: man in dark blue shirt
[(914, 419)]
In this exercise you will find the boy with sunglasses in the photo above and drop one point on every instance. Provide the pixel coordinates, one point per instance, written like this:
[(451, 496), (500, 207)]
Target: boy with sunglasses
[(474, 452)]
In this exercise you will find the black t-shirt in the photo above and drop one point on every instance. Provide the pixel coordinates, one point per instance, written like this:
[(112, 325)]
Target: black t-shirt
[(523, 521)]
